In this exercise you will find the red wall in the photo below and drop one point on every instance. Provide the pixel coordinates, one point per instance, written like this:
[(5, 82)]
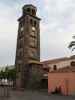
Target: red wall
[(65, 80)]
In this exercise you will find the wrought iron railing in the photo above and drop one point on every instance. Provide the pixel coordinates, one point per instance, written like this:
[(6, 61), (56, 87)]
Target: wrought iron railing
[(4, 91)]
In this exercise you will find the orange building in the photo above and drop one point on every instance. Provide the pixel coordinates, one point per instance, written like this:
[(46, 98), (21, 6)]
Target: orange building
[(62, 80), (60, 75)]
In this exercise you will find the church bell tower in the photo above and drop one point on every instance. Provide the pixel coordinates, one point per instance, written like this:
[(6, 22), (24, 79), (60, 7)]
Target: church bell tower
[(28, 43)]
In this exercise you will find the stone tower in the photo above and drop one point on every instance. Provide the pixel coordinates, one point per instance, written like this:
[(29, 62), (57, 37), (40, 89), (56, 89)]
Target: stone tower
[(28, 43)]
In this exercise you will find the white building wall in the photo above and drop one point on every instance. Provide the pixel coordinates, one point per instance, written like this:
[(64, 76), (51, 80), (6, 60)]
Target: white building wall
[(60, 64)]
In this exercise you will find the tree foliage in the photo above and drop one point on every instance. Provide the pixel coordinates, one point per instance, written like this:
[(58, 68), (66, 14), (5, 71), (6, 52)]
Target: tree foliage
[(9, 74)]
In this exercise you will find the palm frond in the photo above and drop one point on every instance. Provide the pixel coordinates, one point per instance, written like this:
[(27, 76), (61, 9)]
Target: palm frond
[(73, 48), (73, 36), (72, 45)]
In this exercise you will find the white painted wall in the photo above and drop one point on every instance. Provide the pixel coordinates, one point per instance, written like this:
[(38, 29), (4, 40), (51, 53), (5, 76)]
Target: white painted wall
[(59, 64)]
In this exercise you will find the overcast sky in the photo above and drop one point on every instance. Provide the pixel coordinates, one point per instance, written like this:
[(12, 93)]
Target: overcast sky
[(56, 29)]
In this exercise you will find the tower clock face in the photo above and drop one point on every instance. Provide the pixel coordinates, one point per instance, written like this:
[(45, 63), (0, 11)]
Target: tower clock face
[(33, 29), (21, 28)]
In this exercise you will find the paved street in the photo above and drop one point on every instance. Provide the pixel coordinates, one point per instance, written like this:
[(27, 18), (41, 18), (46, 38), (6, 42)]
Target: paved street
[(34, 95)]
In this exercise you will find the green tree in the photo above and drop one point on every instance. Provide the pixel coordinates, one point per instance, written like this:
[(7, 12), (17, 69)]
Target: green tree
[(2, 74), (6, 72), (12, 74)]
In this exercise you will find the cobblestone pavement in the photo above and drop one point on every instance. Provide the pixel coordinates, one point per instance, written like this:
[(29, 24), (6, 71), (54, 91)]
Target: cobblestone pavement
[(35, 95)]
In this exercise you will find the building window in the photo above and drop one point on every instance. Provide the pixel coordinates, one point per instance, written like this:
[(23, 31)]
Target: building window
[(54, 67), (19, 54), (28, 9), (21, 23), (20, 42), (73, 63), (21, 35), (20, 45), (35, 23), (31, 21), (33, 12)]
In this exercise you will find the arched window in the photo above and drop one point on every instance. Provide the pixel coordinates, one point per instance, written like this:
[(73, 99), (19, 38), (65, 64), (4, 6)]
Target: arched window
[(31, 21), (28, 9), (33, 12), (73, 63), (35, 23), (54, 67)]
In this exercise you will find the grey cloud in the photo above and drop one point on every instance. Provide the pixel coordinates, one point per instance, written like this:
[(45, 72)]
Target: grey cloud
[(60, 25), (61, 12)]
